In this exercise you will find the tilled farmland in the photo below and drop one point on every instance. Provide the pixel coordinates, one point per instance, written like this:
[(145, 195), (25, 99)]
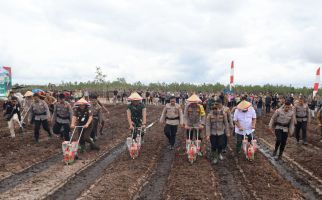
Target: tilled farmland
[(36, 171)]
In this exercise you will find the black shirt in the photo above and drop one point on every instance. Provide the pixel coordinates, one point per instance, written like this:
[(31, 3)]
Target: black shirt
[(11, 110)]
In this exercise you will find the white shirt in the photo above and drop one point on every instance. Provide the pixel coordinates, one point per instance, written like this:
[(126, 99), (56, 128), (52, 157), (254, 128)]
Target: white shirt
[(245, 119)]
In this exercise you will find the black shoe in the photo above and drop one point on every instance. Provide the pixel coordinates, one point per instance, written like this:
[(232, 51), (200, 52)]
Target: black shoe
[(279, 157), (274, 153), (95, 147), (224, 151)]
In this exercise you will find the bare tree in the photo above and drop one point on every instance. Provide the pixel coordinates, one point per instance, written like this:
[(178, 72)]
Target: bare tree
[(99, 77)]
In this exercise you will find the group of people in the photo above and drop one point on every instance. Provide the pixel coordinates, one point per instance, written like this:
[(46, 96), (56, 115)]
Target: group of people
[(213, 121), (218, 121), (57, 117)]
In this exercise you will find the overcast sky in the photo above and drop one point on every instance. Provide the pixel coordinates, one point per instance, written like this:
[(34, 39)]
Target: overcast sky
[(271, 41)]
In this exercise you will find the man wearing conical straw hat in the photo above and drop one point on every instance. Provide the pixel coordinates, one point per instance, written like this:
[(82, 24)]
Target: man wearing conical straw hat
[(245, 119), (83, 116), (136, 113), (194, 115)]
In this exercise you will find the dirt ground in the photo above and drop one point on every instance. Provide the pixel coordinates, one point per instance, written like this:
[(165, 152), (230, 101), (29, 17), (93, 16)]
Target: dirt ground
[(158, 173)]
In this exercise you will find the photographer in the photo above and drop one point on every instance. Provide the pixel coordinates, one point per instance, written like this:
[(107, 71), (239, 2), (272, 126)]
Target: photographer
[(12, 114)]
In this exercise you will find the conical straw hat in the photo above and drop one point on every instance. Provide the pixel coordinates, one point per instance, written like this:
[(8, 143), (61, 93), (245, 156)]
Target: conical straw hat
[(244, 105), (134, 97), (194, 99), (82, 101), (28, 94)]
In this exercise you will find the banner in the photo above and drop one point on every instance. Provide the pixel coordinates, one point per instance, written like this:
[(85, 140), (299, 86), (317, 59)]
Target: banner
[(5, 81)]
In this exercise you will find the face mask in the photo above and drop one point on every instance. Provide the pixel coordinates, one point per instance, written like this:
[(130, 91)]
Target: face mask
[(244, 111)]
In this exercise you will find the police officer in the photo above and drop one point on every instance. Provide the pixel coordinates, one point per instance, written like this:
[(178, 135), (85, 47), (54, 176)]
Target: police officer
[(231, 126), (194, 116), (62, 117), (82, 116), (136, 114), (302, 117), (39, 112), (282, 123), (172, 116), (216, 128), (97, 115)]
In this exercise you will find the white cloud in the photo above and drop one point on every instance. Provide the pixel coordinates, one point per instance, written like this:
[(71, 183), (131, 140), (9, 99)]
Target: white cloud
[(274, 42)]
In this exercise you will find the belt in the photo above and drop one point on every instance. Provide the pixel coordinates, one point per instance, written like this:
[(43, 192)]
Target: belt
[(174, 118), (63, 117), (44, 113), (283, 125), (301, 117)]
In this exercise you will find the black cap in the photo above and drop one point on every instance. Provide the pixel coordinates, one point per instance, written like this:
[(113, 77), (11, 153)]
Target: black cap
[(172, 97)]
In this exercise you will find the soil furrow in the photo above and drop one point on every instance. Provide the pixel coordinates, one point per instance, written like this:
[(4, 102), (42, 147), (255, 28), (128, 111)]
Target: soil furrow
[(20, 177), (154, 188), (75, 186)]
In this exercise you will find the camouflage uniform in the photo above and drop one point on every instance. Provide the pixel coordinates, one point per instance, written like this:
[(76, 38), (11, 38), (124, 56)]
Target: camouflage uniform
[(39, 112), (210, 104), (62, 117), (97, 119), (194, 116), (82, 117), (136, 116)]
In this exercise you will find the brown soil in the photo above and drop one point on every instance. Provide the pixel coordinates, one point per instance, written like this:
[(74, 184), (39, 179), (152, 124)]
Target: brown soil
[(124, 178)]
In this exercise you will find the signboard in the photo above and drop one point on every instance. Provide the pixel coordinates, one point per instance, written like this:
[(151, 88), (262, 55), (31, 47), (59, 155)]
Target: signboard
[(5, 81)]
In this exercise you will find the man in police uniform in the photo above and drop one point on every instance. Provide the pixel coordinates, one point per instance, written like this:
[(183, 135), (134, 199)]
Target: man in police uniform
[(136, 114), (302, 114), (216, 128), (194, 116), (172, 116), (39, 112), (62, 117), (282, 123), (82, 116), (228, 129)]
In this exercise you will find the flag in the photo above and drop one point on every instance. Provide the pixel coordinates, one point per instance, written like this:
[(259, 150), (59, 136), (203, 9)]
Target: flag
[(231, 76), (317, 82)]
